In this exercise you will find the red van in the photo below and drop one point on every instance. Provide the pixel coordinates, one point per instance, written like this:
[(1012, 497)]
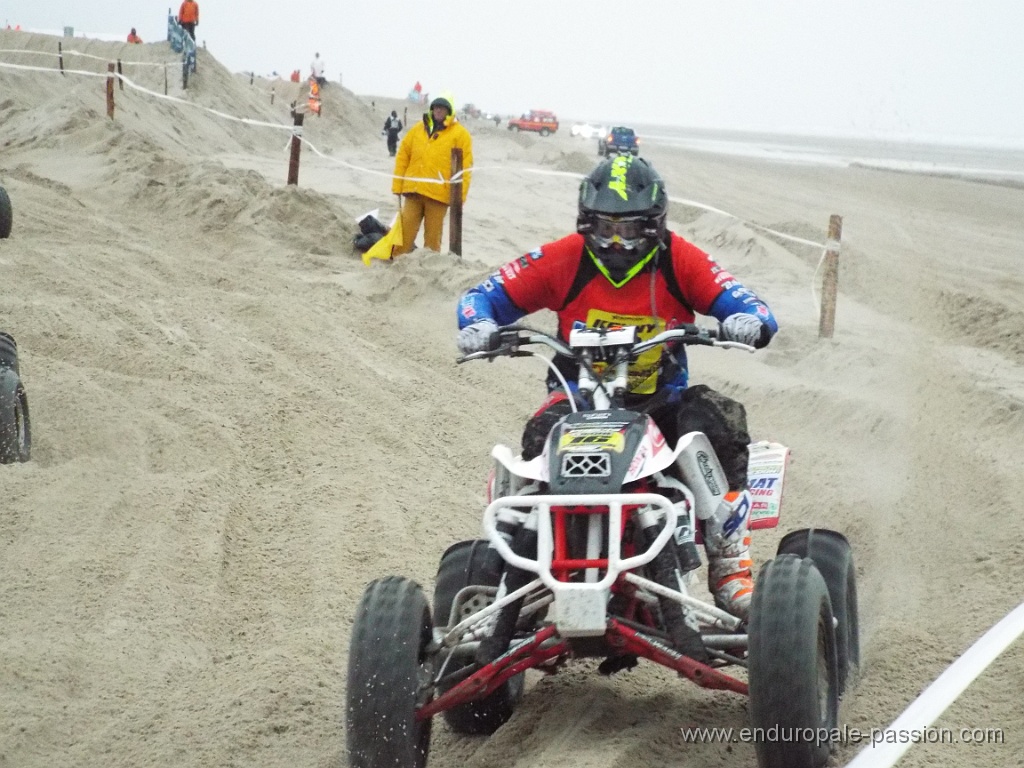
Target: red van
[(544, 123)]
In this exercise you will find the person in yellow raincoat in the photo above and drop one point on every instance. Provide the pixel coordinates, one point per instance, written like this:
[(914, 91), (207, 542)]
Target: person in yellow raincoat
[(426, 154)]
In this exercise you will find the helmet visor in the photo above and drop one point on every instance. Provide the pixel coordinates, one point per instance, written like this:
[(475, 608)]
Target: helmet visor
[(627, 231)]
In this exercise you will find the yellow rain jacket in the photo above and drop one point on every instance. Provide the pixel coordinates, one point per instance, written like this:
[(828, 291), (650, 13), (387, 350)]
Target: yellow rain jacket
[(426, 153)]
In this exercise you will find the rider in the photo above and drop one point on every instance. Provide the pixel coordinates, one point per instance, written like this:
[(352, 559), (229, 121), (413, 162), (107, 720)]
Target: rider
[(624, 267)]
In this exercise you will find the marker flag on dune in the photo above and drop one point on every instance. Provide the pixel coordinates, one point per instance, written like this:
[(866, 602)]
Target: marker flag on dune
[(384, 248)]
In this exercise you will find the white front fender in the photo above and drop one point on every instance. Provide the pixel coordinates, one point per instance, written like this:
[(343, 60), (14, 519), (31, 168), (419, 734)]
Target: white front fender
[(534, 469)]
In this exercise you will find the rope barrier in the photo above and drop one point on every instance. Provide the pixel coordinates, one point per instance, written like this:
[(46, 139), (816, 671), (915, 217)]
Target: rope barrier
[(456, 177), (933, 701), (87, 56)]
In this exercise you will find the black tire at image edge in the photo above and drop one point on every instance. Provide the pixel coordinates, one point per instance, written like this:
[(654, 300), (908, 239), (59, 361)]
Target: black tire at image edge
[(6, 214)]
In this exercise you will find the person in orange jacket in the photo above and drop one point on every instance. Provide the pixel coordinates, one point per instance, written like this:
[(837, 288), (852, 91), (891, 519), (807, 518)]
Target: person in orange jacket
[(188, 17), (423, 170), (134, 38)]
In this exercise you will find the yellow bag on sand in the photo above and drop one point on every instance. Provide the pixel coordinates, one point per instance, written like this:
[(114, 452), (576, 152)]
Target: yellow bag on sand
[(384, 248)]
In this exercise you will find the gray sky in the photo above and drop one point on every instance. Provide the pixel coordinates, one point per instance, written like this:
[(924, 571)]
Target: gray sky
[(937, 69)]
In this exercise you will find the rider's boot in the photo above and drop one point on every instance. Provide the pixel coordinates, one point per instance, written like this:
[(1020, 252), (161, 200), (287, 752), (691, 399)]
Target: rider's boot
[(685, 638), (727, 543), (497, 643), (507, 525), (669, 567), (537, 429)]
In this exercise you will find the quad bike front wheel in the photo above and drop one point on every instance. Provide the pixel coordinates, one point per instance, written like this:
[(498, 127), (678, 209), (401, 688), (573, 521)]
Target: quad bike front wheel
[(15, 429), (388, 663), (833, 558), (462, 565), (794, 682)]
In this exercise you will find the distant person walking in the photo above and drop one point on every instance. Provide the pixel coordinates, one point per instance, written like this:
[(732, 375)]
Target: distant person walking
[(393, 127), (188, 17), (317, 70), (134, 38), (425, 154)]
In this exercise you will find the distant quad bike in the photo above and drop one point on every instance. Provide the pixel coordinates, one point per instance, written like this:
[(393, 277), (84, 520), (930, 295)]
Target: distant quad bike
[(15, 432), (590, 522), (6, 214)]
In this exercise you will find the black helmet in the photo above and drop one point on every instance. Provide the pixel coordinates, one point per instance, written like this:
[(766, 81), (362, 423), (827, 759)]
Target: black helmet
[(622, 211), (445, 100)]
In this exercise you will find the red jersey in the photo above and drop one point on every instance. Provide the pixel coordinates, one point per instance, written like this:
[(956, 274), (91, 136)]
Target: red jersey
[(561, 276)]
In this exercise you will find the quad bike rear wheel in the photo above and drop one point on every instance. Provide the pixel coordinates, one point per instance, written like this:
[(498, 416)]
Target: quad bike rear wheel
[(15, 425), (833, 558), (794, 683), (388, 664), (462, 565)]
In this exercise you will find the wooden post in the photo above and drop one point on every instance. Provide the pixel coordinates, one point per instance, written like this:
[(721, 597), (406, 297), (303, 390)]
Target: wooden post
[(60, 57), (165, 78), (271, 95), (120, 82), (110, 90), (293, 161), (830, 278), (455, 235), (252, 75)]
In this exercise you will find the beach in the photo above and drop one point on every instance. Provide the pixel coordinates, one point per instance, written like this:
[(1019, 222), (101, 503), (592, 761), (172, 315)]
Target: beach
[(236, 424)]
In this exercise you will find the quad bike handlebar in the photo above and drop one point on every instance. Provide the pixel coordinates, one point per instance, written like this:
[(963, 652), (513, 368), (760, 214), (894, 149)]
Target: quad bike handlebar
[(507, 340), (613, 348)]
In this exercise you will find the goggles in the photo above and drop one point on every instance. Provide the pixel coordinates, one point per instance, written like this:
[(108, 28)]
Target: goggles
[(624, 231)]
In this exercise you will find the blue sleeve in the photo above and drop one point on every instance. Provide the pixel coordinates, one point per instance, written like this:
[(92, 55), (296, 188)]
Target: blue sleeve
[(737, 299), (488, 301)]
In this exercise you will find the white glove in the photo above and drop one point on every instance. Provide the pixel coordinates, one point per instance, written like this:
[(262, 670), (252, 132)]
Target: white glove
[(741, 327), (476, 337)]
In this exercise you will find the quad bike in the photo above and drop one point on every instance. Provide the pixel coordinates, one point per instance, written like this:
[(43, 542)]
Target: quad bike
[(15, 433), (596, 538)]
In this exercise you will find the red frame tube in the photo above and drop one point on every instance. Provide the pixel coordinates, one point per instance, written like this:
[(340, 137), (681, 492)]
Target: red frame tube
[(620, 638)]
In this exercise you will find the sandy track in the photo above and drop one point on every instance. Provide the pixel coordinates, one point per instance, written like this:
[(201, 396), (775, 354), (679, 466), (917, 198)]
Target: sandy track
[(237, 425)]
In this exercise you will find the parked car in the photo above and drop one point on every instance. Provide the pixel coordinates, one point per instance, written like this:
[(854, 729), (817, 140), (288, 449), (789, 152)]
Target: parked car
[(619, 141), (588, 131), (544, 123)]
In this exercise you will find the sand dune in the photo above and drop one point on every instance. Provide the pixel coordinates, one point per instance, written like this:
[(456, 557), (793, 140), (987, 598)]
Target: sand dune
[(237, 425)]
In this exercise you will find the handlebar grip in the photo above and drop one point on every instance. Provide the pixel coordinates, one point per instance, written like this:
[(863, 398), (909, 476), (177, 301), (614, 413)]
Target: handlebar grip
[(494, 341)]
